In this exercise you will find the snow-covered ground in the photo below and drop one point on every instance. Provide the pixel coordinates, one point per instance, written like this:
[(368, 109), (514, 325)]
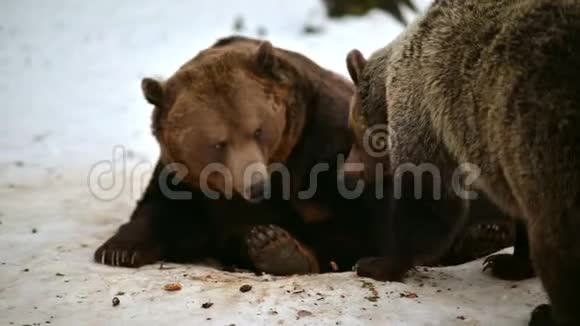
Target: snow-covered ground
[(70, 95)]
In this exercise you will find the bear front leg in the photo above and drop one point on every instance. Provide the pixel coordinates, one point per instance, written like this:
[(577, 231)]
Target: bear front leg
[(274, 251), (160, 228), (410, 231), (133, 245), (514, 267)]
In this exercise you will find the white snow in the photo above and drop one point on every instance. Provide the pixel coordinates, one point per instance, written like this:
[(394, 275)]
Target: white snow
[(70, 93)]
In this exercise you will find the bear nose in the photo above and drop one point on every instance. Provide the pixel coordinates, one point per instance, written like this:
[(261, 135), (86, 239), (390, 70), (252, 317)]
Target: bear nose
[(256, 191)]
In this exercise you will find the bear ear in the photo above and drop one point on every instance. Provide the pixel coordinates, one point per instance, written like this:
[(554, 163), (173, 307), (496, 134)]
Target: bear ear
[(355, 62), (153, 91), (268, 62)]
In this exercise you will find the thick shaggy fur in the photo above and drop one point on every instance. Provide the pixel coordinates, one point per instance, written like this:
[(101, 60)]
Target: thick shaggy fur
[(224, 93), (494, 83)]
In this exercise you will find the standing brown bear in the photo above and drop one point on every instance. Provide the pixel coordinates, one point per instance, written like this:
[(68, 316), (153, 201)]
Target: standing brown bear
[(495, 86)]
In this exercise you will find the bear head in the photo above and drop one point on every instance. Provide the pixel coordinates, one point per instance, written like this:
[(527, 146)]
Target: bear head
[(227, 114), (367, 119)]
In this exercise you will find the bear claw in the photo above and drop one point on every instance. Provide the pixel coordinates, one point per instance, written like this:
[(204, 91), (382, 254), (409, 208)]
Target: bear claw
[(508, 267), (117, 254)]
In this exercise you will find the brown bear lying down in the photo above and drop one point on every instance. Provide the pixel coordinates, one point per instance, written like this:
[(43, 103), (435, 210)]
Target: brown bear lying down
[(242, 103)]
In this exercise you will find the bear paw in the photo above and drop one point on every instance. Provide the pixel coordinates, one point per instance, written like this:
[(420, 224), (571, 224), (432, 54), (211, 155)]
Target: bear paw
[(509, 267), (275, 251), (121, 252)]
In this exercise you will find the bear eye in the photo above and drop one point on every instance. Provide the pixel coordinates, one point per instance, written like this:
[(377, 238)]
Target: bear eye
[(258, 133), (220, 146)]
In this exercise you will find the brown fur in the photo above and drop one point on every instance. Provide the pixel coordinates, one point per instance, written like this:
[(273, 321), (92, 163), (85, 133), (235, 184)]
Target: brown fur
[(223, 94), (495, 84), (222, 97)]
